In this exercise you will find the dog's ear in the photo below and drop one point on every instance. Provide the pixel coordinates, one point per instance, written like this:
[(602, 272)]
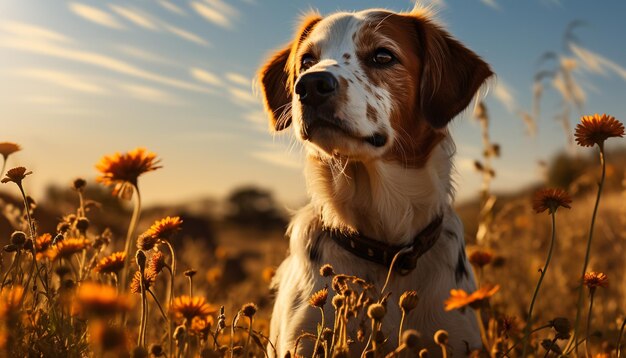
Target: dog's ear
[(451, 73), (278, 76)]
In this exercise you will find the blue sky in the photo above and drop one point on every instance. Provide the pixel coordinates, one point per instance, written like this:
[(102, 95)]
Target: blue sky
[(83, 78)]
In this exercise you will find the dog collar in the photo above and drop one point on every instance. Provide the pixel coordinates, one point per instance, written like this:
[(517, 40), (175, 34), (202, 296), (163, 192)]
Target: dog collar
[(383, 254)]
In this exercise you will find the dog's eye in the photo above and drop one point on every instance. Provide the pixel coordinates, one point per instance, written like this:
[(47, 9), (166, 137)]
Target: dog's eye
[(382, 56), (307, 62)]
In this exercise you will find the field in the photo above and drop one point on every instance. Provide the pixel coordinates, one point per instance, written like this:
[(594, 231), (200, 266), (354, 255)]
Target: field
[(206, 268)]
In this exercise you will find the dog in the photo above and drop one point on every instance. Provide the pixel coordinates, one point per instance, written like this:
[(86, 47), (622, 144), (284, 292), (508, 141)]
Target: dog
[(369, 95)]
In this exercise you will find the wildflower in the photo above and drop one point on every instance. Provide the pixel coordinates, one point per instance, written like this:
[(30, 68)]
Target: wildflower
[(481, 258), (189, 307), (596, 129), (249, 309), (112, 263), (376, 312), (157, 262), (8, 148), (16, 175), (165, 228), (338, 301), (551, 199), (148, 280), (10, 300), (190, 273), (595, 279), (408, 301), (100, 300), (43, 242), (460, 298), (68, 247), (201, 325), (327, 270), (123, 170), (82, 224), (318, 299), (146, 241)]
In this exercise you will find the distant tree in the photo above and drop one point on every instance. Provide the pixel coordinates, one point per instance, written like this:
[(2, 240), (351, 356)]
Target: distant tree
[(564, 169), (255, 207)]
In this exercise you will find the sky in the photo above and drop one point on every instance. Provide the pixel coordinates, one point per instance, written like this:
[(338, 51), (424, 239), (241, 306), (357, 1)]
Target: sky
[(82, 79)]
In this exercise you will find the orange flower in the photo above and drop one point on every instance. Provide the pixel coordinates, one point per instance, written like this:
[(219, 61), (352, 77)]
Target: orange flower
[(460, 298), (16, 175), (596, 129), (550, 199), (68, 247), (190, 307), (481, 258), (149, 277), (595, 279), (123, 170), (100, 300), (112, 263), (162, 229), (8, 148), (318, 299), (43, 242)]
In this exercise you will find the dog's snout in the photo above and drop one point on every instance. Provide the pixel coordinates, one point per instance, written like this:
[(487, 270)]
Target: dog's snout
[(316, 87)]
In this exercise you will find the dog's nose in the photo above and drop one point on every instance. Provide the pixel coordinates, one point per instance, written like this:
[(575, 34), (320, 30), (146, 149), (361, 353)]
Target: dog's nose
[(316, 87)]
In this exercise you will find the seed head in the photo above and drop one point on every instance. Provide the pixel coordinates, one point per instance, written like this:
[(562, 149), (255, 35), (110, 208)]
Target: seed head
[(441, 337), (338, 301), (79, 184), (408, 301), (327, 271), (249, 309), (82, 224), (376, 312), (18, 238), (411, 338)]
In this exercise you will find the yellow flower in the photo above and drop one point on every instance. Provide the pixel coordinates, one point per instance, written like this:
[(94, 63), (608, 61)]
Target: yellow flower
[(596, 279), (123, 170), (16, 175), (112, 263), (43, 242), (318, 299), (596, 129), (68, 247), (460, 298), (189, 307), (8, 148), (162, 229), (551, 199), (100, 300)]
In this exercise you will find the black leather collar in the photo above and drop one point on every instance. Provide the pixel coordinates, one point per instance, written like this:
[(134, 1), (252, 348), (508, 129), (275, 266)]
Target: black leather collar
[(383, 254)]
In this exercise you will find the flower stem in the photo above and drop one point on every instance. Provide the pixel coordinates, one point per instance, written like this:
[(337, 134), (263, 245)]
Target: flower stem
[(158, 305), (587, 349), (582, 276), (481, 327), (129, 238), (543, 273), (171, 293), (619, 339), (319, 333), (400, 329), (245, 352)]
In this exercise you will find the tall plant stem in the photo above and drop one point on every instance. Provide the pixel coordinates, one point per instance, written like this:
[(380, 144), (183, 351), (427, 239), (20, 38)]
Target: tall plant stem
[(619, 340), (591, 294), (171, 293), (4, 165), (319, 332), (129, 237), (582, 276), (543, 274), (400, 329), (247, 348)]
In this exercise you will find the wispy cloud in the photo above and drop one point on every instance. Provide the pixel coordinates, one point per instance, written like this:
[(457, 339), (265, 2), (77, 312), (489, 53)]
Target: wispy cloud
[(242, 97), (205, 76), (186, 35), (95, 15), (279, 158), (491, 3), (44, 100), (238, 79), (171, 7), (32, 32), (216, 12), (144, 55), (97, 60), (62, 79), (135, 16), (150, 94)]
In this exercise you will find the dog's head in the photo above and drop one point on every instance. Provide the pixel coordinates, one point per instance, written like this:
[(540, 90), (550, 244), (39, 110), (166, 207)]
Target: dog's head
[(372, 84)]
